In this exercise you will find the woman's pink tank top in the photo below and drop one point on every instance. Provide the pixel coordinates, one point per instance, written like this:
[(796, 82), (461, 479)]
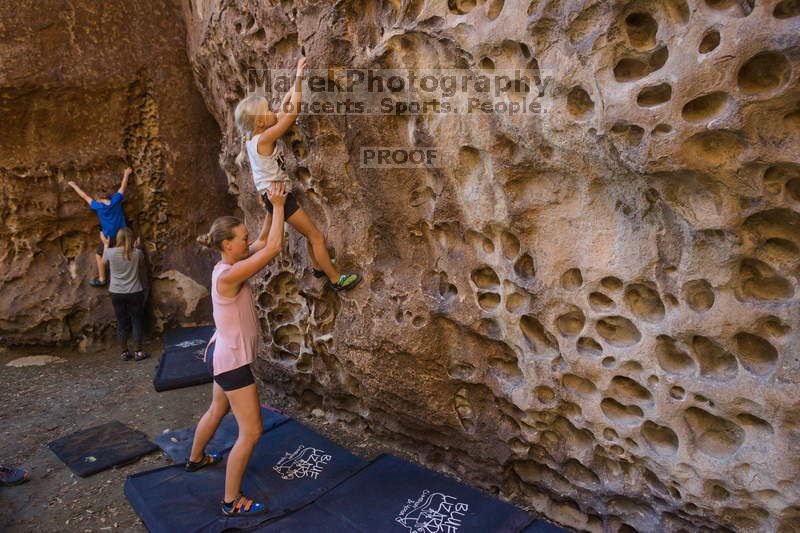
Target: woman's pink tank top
[(237, 332)]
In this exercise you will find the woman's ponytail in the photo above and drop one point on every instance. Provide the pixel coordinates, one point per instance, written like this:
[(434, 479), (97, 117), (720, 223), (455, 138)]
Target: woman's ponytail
[(125, 240), (223, 229), (206, 240)]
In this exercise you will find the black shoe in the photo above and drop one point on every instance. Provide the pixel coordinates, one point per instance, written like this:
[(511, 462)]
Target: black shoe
[(10, 476), (207, 460), (126, 355), (139, 356)]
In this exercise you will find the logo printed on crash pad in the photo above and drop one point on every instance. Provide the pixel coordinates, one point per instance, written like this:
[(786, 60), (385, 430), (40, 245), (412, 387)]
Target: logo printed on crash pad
[(303, 462), (190, 343), (432, 512)]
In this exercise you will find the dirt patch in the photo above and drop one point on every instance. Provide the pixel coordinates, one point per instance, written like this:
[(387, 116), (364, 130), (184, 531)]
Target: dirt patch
[(42, 403)]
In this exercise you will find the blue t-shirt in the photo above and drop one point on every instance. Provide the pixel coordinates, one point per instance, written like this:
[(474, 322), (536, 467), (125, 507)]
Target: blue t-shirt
[(112, 217)]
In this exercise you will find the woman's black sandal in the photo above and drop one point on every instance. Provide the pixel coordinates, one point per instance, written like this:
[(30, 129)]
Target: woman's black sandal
[(207, 460)]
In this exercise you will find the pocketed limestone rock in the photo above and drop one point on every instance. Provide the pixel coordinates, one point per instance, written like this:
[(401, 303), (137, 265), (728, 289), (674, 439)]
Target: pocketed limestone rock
[(87, 89), (590, 310)]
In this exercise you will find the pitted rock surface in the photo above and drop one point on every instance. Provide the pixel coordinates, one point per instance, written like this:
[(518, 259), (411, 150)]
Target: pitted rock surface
[(593, 312), (86, 89)]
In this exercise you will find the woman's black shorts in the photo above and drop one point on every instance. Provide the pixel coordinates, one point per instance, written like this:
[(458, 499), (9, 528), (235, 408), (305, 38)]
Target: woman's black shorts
[(289, 209), (232, 379)]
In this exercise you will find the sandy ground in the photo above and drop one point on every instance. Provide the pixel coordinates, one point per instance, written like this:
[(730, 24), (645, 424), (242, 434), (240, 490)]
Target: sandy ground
[(43, 403)]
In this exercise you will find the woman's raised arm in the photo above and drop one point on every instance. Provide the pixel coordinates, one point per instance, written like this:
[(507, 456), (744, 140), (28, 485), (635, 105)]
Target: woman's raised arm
[(242, 270)]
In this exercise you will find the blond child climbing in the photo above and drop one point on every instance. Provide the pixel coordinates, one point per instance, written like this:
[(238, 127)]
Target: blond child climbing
[(261, 129)]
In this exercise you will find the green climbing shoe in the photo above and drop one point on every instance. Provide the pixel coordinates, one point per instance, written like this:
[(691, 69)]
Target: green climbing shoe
[(346, 282)]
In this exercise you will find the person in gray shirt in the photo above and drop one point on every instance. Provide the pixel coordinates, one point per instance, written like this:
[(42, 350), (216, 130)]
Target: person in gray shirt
[(127, 285)]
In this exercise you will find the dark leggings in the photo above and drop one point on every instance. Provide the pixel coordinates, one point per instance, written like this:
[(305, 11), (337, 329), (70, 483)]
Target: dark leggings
[(129, 308)]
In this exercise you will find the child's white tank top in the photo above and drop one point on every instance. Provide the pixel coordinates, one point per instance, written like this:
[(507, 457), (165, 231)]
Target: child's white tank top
[(267, 168)]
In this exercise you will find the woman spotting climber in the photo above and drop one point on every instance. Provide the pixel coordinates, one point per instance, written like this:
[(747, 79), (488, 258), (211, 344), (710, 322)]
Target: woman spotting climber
[(128, 288), (233, 346), (260, 129)]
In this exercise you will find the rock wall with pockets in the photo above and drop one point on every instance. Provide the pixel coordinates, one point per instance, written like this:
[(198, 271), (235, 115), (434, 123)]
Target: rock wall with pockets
[(593, 311), (86, 89)]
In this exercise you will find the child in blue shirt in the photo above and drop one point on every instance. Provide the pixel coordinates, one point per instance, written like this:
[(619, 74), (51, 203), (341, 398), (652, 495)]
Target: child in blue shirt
[(260, 129), (112, 219)]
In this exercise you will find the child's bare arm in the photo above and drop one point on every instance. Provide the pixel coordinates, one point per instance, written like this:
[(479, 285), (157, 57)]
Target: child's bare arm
[(284, 120), (125, 177), (291, 100), (285, 100), (86, 197)]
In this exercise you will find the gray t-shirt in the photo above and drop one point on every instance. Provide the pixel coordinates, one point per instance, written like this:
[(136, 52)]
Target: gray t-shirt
[(124, 274)]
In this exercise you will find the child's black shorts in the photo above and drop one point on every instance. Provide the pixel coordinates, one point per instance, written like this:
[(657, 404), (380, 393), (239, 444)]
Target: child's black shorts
[(111, 244), (289, 208)]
